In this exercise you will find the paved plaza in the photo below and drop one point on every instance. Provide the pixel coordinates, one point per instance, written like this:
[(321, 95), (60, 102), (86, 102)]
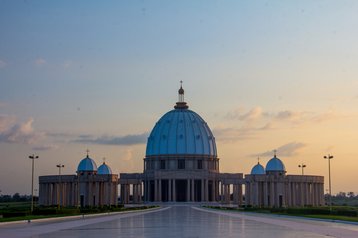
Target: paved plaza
[(180, 221)]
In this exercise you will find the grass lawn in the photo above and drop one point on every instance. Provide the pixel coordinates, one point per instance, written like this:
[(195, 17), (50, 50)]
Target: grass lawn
[(300, 214), (33, 217), (24, 208), (332, 217)]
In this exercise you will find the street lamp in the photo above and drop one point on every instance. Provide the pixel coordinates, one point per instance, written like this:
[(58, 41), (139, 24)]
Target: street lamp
[(59, 190), (329, 157), (32, 157), (302, 166)]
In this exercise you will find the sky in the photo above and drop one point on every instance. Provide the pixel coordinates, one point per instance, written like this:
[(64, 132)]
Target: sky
[(97, 75)]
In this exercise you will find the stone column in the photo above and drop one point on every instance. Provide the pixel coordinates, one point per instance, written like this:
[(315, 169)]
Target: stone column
[(206, 190), (136, 190), (308, 193), (257, 193), (192, 190), (235, 194), (272, 194), (174, 192), (240, 194), (251, 193), (302, 194), (315, 201), (156, 195), (247, 196), (146, 190), (140, 192), (289, 194), (265, 195)]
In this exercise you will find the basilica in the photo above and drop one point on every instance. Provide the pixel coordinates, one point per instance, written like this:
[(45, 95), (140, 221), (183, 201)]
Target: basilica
[(181, 164)]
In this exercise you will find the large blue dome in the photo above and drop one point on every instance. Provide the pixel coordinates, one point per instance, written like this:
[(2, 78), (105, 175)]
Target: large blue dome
[(181, 132), (258, 169), (87, 165), (104, 169), (275, 165)]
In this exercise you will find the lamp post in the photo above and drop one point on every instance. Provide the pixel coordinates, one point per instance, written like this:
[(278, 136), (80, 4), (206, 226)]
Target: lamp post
[(32, 157), (59, 190), (302, 166), (329, 157)]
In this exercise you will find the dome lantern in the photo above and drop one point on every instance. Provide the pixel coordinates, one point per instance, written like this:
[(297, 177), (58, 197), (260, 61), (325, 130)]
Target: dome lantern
[(181, 104)]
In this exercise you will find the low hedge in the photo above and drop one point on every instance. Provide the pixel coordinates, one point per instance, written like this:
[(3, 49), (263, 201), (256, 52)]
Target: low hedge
[(13, 214)]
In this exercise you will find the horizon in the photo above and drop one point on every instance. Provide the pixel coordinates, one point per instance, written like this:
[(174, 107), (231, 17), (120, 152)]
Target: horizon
[(265, 76)]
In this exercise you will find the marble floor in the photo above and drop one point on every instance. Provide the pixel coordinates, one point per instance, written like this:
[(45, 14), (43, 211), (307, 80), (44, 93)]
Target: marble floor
[(180, 221)]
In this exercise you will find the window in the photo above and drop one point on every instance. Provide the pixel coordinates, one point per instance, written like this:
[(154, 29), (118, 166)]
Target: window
[(200, 164), (181, 164), (162, 164)]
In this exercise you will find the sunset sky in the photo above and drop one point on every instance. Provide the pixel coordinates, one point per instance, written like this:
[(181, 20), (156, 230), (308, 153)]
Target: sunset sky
[(264, 75)]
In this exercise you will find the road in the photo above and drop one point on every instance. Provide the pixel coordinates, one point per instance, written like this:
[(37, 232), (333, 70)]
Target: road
[(180, 221)]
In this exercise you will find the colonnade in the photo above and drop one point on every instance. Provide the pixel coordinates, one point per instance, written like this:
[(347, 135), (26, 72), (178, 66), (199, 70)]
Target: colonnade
[(96, 190), (181, 190), (284, 193), (236, 192), (136, 193)]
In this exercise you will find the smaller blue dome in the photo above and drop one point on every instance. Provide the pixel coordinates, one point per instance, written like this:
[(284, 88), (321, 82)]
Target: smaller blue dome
[(258, 169), (275, 165), (86, 165), (104, 169)]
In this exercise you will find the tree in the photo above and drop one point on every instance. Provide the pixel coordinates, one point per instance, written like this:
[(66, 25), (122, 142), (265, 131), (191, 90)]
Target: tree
[(351, 194), (16, 197), (341, 195)]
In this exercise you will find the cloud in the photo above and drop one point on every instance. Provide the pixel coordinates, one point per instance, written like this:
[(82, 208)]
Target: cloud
[(231, 134), (23, 133), (238, 114), (128, 155), (40, 61), (6, 122), (289, 115), (3, 64), (325, 116), (45, 147), (287, 150), (110, 140)]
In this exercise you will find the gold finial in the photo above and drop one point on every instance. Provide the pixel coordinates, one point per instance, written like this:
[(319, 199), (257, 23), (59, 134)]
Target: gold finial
[(104, 160), (87, 151), (274, 153), (258, 160)]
